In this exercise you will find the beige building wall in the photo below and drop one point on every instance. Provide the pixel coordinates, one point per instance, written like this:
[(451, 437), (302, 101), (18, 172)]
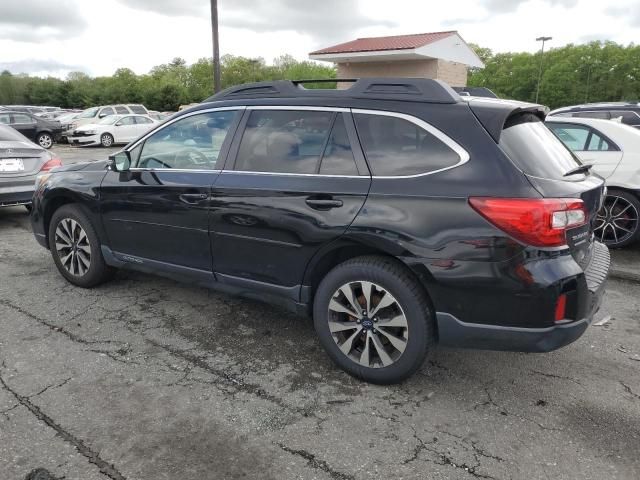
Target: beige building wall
[(454, 74)]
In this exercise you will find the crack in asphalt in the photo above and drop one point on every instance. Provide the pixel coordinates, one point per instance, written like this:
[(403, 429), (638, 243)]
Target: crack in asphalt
[(55, 328), (105, 468), (559, 377), (446, 459), (629, 391), (317, 464), (232, 380)]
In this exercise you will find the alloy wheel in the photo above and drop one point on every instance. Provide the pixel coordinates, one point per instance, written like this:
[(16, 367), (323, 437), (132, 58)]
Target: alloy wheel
[(617, 220), (107, 141), (73, 247), (45, 141), (368, 324)]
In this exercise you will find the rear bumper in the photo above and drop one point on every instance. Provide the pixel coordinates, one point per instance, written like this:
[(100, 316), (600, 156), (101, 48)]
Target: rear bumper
[(456, 333), (20, 193)]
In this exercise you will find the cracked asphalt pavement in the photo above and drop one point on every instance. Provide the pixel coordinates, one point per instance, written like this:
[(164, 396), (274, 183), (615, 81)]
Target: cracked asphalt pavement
[(146, 378)]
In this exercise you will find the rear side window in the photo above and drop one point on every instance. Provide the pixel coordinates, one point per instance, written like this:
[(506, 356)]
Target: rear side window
[(535, 149), (22, 118), (138, 109), (394, 146), (338, 157), (143, 120), (601, 114), (581, 138), (284, 141), (628, 117)]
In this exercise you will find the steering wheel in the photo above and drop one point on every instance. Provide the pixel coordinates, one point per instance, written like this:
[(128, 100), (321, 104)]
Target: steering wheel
[(185, 158)]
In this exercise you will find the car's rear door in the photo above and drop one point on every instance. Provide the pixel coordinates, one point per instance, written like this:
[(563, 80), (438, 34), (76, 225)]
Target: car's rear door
[(25, 124), (157, 211), (590, 145), (294, 181)]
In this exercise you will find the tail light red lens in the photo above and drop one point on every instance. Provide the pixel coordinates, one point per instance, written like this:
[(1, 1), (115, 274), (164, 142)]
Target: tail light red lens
[(561, 308), (54, 162), (540, 222)]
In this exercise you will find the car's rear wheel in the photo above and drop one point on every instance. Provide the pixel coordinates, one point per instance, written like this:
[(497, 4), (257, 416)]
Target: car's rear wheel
[(618, 222), (45, 140), (106, 139), (75, 248), (373, 319)]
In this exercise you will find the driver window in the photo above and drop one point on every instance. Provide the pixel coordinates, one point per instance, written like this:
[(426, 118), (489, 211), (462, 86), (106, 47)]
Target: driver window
[(125, 121), (193, 142)]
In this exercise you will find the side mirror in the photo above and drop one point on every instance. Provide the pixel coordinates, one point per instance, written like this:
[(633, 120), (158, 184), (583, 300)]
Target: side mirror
[(119, 124), (120, 162)]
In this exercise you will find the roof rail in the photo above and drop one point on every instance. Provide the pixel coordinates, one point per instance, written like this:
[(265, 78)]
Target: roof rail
[(403, 89)]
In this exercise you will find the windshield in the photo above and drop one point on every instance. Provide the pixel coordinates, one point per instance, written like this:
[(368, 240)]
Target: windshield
[(110, 120), (535, 149), (89, 113)]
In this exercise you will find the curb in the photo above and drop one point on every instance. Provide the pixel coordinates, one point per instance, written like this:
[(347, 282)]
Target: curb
[(624, 275)]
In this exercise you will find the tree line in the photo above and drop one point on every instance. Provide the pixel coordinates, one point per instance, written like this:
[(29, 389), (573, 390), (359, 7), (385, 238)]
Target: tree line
[(573, 74), (164, 88)]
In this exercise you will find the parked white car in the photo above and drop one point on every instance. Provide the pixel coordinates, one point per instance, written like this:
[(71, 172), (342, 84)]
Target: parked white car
[(613, 149), (112, 130)]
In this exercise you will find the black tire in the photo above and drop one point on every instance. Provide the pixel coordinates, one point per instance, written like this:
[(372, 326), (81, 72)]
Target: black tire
[(98, 271), (106, 139), (619, 219), (45, 140), (410, 297)]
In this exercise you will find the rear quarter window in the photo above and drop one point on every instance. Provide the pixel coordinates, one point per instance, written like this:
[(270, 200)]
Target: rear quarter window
[(534, 149), (395, 146)]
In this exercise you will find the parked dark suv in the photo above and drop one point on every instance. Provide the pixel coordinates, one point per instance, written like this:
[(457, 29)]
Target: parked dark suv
[(396, 213), (627, 112)]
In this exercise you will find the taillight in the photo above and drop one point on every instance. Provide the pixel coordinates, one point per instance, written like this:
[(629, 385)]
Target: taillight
[(54, 162), (540, 222)]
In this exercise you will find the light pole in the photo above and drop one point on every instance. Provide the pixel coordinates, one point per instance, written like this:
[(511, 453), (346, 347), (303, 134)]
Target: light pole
[(216, 47), (541, 39)]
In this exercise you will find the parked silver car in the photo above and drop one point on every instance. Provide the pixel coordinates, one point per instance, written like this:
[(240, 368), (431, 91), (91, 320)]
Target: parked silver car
[(21, 161)]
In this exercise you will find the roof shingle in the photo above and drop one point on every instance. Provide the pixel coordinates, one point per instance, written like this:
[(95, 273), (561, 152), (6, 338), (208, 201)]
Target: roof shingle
[(397, 42)]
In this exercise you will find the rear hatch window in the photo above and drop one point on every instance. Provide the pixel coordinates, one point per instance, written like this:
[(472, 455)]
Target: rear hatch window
[(535, 149)]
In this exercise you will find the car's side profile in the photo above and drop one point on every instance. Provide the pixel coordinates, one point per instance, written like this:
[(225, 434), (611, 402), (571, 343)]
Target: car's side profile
[(626, 112), (613, 149), (112, 130), (395, 213), (39, 130)]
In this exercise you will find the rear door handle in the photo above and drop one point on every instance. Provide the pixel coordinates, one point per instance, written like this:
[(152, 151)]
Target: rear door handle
[(193, 197), (323, 203)]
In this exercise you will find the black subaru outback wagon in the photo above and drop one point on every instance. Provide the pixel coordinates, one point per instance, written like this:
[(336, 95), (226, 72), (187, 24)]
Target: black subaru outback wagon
[(395, 212)]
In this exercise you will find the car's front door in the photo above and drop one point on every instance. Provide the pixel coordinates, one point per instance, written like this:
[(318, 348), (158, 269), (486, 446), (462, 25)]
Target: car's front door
[(292, 184), (125, 130), (157, 210)]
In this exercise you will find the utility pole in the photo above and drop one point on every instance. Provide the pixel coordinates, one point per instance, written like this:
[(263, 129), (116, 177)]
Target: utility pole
[(216, 46), (541, 39)]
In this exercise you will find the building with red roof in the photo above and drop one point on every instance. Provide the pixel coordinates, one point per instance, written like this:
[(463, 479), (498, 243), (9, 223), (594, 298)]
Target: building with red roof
[(440, 55)]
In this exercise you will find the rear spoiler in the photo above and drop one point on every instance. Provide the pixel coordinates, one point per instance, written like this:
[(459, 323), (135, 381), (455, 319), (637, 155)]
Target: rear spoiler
[(493, 113)]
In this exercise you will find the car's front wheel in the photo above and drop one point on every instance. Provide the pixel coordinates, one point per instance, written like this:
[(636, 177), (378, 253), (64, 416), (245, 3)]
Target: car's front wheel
[(618, 222), (75, 248), (106, 139), (374, 320), (45, 140)]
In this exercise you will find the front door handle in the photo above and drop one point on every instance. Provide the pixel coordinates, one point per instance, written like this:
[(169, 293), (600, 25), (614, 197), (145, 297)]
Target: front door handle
[(323, 203), (193, 197)]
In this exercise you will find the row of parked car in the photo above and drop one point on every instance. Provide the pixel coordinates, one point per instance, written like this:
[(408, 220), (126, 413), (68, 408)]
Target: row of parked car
[(110, 124)]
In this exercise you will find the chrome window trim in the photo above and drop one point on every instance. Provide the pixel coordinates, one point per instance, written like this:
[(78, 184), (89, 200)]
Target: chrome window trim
[(301, 107), (461, 152), (284, 174), (174, 170)]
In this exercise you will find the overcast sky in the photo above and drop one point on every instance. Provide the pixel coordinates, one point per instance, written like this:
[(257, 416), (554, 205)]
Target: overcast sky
[(53, 37)]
